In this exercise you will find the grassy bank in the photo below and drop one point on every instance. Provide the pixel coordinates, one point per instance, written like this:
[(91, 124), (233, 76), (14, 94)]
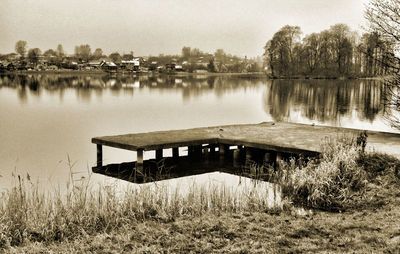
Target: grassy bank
[(354, 199)]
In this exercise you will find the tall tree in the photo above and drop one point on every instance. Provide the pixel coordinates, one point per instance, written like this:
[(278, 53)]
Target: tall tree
[(186, 53), (33, 55), (342, 46), (115, 57), (210, 65), (83, 52), (312, 51), (20, 48), (60, 51), (384, 18), (50, 56), (280, 50), (127, 57), (98, 53)]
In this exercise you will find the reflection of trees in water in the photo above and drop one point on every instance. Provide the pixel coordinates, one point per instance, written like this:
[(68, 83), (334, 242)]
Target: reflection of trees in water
[(323, 100), (85, 85)]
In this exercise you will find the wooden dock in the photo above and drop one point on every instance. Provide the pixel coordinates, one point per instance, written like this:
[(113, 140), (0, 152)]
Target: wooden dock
[(269, 140)]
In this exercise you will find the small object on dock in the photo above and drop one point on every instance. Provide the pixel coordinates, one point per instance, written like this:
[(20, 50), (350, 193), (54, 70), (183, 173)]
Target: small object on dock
[(220, 132)]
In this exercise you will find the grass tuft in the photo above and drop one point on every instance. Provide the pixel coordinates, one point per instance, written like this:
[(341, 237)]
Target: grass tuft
[(336, 181)]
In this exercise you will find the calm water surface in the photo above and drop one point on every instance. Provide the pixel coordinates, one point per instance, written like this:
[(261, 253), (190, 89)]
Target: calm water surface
[(46, 119)]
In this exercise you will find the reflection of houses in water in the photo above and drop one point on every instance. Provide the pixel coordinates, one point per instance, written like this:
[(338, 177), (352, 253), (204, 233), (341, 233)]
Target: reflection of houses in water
[(322, 100), (318, 100), (191, 86), (97, 83), (135, 84)]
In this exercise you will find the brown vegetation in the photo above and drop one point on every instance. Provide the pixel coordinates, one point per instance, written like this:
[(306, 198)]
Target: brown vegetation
[(364, 187)]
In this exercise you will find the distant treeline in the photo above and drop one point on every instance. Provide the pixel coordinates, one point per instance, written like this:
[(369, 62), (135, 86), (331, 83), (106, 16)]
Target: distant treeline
[(190, 59), (336, 52)]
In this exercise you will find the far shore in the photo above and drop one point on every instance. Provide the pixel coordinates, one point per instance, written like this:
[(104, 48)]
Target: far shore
[(186, 74)]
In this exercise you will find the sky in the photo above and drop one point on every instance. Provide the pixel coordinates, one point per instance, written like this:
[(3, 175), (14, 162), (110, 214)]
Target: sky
[(151, 27)]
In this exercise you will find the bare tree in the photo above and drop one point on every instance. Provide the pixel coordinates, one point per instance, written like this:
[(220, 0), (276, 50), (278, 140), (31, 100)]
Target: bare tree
[(98, 53), (115, 57), (33, 55), (384, 18), (60, 51), (83, 52), (20, 48)]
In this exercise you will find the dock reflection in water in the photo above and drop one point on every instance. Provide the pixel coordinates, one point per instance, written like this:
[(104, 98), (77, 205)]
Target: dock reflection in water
[(183, 176), (234, 162)]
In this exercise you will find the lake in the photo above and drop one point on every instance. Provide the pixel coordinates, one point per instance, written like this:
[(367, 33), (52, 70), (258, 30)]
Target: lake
[(47, 121)]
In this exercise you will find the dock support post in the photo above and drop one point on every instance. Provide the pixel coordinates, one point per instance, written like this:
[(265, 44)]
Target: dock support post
[(159, 154), (279, 157), (175, 152), (197, 151), (212, 148), (276, 157), (236, 158), (99, 155), (213, 153), (190, 151), (267, 157), (249, 157), (223, 150), (206, 158), (139, 160)]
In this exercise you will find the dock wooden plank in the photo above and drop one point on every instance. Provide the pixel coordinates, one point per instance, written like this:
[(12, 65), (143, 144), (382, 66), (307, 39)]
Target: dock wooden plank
[(281, 136)]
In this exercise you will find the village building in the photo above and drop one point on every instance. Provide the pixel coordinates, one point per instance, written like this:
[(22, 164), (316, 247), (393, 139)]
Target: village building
[(131, 65), (108, 66)]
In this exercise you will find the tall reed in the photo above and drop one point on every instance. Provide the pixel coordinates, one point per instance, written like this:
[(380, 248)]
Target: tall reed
[(29, 214)]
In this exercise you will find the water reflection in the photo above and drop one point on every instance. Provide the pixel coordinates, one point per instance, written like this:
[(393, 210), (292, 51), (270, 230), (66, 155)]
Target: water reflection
[(44, 118), (324, 100), (190, 86), (321, 101)]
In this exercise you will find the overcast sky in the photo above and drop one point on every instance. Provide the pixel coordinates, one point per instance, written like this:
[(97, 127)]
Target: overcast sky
[(150, 27)]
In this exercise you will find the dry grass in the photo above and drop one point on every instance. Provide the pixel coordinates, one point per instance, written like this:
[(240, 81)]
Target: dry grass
[(333, 182), (89, 219), (28, 215)]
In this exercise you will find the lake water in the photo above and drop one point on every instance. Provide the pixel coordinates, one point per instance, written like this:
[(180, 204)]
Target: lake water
[(47, 121)]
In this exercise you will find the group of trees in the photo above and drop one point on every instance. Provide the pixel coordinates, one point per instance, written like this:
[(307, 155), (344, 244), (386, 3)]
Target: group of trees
[(339, 52), (384, 20), (82, 53), (193, 58), (219, 61), (33, 55), (335, 52)]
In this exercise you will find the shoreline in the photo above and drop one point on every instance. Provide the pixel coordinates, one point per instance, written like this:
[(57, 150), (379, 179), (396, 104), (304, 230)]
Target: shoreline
[(185, 74)]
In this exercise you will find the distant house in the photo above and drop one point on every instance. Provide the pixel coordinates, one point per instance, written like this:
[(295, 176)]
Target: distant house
[(153, 66), (94, 65), (132, 65), (170, 67), (108, 66), (178, 68), (11, 67)]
